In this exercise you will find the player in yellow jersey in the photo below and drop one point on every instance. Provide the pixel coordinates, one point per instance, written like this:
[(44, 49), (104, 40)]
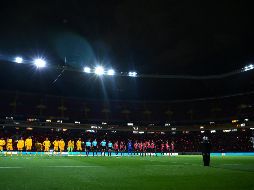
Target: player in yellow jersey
[(56, 145), (46, 145), (78, 144), (9, 146), (2, 144), (70, 146), (20, 145), (28, 144), (61, 145)]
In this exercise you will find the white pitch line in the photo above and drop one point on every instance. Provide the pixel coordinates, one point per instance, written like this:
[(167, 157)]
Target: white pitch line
[(231, 164), (14, 167), (72, 166), (165, 166)]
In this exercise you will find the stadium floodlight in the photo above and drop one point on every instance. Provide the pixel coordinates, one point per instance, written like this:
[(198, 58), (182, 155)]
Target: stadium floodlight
[(39, 62), (99, 70), (248, 67), (87, 69), (18, 59), (132, 74), (111, 72)]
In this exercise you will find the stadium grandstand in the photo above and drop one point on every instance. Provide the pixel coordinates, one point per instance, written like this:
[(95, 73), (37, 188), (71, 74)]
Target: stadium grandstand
[(226, 118)]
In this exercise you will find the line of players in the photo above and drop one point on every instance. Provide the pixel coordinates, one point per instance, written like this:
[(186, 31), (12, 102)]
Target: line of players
[(142, 148)]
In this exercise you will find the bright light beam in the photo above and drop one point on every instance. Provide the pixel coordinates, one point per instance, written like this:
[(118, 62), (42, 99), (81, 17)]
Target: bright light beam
[(132, 74), (111, 72), (99, 70), (248, 67), (39, 63), (18, 59), (87, 69)]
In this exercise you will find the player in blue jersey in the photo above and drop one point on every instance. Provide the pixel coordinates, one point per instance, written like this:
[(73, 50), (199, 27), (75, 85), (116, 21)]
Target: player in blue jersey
[(88, 147), (94, 146), (129, 145), (103, 147), (110, 147)]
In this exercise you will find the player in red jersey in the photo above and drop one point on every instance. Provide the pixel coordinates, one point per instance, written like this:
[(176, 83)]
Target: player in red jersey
[(172, 147), (116, 148), (148, 147), (144, 148), (135, 147), (162, 148), (140, 147), (122, 147), (153, 148), (167, 148)]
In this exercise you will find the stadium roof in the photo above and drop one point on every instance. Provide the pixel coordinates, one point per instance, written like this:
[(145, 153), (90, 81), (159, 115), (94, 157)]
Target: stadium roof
[(24, 78), (171, 37)]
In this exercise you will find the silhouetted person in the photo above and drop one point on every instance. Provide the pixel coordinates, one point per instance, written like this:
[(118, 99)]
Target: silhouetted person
[(206, 149)]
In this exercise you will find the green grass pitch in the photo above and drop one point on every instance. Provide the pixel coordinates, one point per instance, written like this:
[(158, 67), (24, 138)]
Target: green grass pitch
[(76, 173)]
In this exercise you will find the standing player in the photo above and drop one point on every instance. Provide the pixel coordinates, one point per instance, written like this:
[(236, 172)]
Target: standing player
[(103, 146), (94, 146), (162, 148), (46, 145), (61, 146), (167, 148), (172, 147), (2, 144), (148, 147), (122, 147), (20, 145), (135, 147), (88, 147), (116, 148), (140, 146), (28, 144), (144, 148), (153, 148), (110, 147), (70, 146), (9, 146), (79, 146), (56, 146), (129, 147)]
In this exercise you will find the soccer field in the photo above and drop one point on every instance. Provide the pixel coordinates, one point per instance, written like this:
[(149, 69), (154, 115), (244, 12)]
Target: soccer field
[(75, 173)]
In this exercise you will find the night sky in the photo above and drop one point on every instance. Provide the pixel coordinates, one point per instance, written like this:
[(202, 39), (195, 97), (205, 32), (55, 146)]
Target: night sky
[(152, 37)]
